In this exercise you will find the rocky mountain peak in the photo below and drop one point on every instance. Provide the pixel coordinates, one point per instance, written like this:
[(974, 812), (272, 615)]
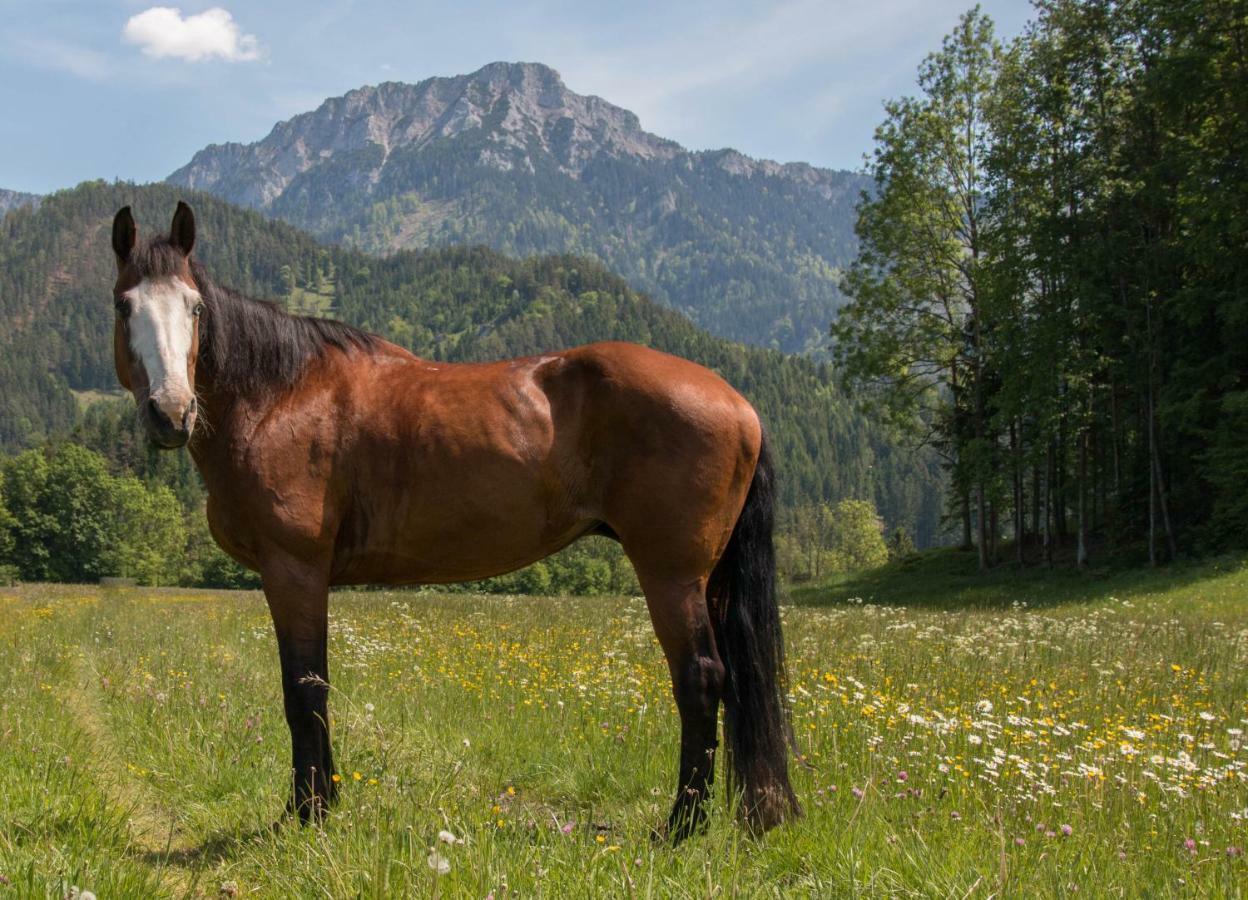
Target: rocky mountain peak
[(523, 109)]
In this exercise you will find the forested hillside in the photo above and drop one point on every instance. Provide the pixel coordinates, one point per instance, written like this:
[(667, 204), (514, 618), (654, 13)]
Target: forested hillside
[(509, 157), (1054, 277), (56, 272)]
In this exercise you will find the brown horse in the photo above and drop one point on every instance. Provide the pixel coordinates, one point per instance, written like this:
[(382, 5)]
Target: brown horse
[(332, 457)]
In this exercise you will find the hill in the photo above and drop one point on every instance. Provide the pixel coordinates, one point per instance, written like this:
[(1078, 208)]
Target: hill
[(509, 157), (455, 304)]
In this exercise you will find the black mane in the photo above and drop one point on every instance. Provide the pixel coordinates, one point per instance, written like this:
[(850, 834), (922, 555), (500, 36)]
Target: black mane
[(252, 346)]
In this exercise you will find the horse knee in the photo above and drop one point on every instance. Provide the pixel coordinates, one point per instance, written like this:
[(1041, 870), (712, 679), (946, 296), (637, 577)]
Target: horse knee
[(699, 686)]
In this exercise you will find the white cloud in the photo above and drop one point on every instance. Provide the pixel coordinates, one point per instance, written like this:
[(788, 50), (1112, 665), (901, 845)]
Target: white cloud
[(163, 32)]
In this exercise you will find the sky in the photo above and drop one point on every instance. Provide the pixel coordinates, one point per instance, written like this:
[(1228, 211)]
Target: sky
[(129, 89)]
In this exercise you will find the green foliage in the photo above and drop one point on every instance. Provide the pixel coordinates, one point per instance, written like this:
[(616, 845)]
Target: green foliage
[(207, 565), (149, 536), (1226, 462), (71, 520), (900, 544), (7, 524), (591, 567), (1050, 282), (823, 540)]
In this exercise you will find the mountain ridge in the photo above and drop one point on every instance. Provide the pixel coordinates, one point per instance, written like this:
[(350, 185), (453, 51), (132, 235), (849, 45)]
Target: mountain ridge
[(510, 157), (449, 116)]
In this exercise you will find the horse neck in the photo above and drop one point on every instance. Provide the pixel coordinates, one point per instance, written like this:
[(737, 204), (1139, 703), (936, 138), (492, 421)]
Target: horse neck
[(227, 420)]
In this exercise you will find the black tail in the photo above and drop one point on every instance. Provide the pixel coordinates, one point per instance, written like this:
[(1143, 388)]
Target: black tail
[(746, 620)]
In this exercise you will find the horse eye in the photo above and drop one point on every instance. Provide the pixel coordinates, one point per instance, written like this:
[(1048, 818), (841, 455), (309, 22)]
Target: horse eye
[(198, 310)]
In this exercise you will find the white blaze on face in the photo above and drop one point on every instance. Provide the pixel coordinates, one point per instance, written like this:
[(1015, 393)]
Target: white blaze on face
[(162, 327)]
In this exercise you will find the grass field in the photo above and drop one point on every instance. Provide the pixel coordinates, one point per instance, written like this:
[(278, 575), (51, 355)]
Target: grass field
[(1010, 736)]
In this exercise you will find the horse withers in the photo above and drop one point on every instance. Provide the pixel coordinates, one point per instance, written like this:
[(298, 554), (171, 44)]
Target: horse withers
[(333, 457)]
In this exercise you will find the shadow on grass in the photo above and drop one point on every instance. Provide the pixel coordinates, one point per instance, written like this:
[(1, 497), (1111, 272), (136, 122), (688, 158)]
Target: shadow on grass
[(215, 848), (948, 579)]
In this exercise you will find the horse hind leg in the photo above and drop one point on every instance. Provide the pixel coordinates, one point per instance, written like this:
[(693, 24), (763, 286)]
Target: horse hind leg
[(682, 624)]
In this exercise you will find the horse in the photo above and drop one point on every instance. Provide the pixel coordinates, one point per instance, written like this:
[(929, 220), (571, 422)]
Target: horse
[(333, 457)]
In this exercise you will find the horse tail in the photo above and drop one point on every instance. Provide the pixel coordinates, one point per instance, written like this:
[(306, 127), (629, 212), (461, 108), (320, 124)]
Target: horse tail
[(746, 620)]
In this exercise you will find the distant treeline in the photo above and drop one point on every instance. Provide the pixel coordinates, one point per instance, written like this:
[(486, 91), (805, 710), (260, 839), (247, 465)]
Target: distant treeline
[(1053, 278)]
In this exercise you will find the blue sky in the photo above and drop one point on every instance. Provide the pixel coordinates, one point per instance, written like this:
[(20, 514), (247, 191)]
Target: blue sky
[(118, 89)]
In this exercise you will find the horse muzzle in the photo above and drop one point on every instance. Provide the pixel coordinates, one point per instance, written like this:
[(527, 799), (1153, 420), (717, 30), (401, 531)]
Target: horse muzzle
[(169, 424)]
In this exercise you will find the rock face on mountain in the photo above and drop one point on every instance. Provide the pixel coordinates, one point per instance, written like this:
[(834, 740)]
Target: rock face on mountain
[(16, 199), (509, 157)]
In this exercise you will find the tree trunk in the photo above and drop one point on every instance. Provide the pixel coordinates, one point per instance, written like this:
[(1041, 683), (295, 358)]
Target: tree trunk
[(1059, 482), (1158, 479), (1081, 554), (1048, 504), (1037, 503), (1019, 512), (981, 510), (1152, 485)]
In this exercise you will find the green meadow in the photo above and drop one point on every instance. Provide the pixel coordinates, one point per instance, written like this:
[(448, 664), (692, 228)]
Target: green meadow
[(1013, 736)]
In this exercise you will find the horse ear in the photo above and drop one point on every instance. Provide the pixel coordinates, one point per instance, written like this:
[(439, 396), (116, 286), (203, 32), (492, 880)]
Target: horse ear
[(182, 233), (125, 234)]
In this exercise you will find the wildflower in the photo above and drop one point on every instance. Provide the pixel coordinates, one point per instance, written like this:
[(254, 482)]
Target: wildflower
[(567, 827), (956, 816), (447, 838), (974, 740), (601, 839), (1190, 846), (1020, 841), (903, 775), (1234, 851), (857, 792), (229, 889), (335, 778), (1067, 831), (438, 862)]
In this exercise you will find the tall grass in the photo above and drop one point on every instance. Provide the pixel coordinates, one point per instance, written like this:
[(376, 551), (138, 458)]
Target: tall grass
[(1015, 737)]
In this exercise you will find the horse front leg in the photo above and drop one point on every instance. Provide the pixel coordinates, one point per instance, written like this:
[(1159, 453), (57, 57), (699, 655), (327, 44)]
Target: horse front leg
[(298, 597)]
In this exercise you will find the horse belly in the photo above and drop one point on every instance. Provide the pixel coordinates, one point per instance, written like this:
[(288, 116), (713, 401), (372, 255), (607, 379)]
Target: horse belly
[(462, 516)]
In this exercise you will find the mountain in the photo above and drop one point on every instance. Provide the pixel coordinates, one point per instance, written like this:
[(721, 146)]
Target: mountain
[(511, 158), (56, 271), (16, 200)]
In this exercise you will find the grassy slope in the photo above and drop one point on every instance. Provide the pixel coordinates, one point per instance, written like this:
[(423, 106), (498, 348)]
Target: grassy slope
[(143, 746), (947, 579)]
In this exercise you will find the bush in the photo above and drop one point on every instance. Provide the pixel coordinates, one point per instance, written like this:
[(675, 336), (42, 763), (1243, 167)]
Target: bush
[(818, 541), (70, 520)]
